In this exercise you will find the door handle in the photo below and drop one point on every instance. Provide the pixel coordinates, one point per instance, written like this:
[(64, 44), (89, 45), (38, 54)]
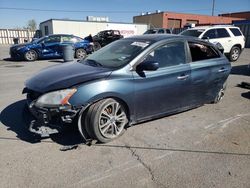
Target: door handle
[(182, 77), (222, 70)]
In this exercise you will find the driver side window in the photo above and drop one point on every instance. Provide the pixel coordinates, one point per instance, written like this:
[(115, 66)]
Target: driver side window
[(52, 39), (170, 54)]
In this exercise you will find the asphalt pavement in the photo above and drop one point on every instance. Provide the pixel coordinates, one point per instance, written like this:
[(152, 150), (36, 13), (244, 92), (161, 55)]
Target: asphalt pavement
[(205, 147)]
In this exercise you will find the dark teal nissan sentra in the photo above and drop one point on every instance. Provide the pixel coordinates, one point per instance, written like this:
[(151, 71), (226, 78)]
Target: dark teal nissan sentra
[(128, 81)]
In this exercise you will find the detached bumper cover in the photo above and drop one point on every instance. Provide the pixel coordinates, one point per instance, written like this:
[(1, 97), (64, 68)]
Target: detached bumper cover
[(50, 120)]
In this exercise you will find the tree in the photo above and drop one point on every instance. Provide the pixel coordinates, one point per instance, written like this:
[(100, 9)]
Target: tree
[(31, 25)]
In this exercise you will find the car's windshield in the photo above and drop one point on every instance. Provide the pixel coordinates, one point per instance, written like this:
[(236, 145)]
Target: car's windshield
[(193, 32), (117, 54), (39, 40), (150, 31)]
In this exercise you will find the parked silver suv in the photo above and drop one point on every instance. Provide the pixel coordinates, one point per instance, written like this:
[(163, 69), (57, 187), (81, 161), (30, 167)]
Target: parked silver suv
[(229, 36)]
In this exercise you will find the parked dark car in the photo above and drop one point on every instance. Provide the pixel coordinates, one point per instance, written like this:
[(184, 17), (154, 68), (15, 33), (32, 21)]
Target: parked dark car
[(107, 36), (129, 81), (50, 47), (158, 31)]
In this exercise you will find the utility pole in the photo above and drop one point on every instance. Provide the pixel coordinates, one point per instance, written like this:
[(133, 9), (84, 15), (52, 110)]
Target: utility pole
[(213, 7)]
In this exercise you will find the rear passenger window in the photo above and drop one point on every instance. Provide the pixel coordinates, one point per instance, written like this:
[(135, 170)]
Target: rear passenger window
[(235, 31), (222, 33), (211, 34), (168, 55), (202, 52)]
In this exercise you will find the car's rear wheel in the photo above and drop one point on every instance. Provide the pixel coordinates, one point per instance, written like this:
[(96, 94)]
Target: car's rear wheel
[(234, 53), (80, 53), (220, 94), (30, 55), (96, 46), (105, 120)]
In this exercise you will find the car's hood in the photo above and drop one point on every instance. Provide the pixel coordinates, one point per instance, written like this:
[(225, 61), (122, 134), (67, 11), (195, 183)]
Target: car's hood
[(64, 76), (21, 45)]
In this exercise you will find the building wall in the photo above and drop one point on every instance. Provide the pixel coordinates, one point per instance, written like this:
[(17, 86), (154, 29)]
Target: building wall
[(245, 15), (176, 20), (47, 24), (84, 28), (153, 20)]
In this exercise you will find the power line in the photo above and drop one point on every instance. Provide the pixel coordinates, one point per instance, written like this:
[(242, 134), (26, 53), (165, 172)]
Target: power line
[(72, 11), (93, 11)]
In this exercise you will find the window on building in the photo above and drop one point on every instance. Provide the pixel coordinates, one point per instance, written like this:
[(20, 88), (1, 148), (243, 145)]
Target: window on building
[(174, 23), (222, 33), (202, 52), (235, 31), (170, 54), (46, 30)]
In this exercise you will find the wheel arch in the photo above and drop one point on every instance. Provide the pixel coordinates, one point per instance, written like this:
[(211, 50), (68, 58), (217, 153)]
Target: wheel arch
[(237, 45), (120, 99)]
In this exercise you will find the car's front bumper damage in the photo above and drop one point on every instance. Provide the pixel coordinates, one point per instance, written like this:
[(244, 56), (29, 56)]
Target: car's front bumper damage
[(50, 120)]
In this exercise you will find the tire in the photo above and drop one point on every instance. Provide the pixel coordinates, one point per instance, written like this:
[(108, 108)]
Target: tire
[(234, 54), (220, 94), (97, 46), (105, 120), (30, 55), (80, 53)]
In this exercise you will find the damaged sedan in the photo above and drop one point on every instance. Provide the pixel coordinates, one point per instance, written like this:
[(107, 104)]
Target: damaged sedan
[(128, 81)]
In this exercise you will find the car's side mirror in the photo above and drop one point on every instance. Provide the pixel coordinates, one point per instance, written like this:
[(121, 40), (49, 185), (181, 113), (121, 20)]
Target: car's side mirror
[(205, 38), (147, 66), (220, 47)]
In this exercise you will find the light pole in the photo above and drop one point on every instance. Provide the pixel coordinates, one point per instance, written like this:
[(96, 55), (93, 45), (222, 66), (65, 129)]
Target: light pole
[(213, 7)]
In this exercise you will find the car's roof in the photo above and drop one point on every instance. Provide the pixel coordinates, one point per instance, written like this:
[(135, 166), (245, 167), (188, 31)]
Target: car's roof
[(157, 37), (61, 35), (212, 26), (157, 28)]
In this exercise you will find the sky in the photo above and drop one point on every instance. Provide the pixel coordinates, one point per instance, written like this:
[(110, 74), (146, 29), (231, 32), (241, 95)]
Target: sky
[(13, 15)]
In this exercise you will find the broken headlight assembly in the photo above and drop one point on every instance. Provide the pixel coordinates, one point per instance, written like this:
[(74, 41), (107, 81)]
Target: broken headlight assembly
[(55, 98)]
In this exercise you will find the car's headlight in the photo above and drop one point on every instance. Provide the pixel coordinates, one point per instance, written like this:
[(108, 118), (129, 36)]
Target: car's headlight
[(55, 98)]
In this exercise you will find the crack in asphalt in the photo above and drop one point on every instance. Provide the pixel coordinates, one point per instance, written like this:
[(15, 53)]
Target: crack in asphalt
[(139, 159)]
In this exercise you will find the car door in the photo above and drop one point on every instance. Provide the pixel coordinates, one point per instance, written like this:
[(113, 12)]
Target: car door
[(166, 89), (51, 46), (208, 71)]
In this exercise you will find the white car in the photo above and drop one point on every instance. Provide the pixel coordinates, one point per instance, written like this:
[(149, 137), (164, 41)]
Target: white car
[(230, 37)]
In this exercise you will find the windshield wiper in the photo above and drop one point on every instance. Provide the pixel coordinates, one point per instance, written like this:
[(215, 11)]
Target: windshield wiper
[(92, 62)]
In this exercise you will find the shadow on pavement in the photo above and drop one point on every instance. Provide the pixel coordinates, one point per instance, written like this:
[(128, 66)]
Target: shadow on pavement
[(16, 119), (241, 70), (246, 95)]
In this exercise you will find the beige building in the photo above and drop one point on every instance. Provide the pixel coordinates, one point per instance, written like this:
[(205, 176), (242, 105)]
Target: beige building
[(84, 28)]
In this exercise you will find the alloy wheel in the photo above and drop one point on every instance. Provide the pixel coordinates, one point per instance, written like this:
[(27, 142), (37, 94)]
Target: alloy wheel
[(112, 120), (235, 54), (30, 55)]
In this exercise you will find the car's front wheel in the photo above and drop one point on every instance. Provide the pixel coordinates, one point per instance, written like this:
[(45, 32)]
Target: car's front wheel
[(234, 53), (30, 55), (105, 120), (80, 53)]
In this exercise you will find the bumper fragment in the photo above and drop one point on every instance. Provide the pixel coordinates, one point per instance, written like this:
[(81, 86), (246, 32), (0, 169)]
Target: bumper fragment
[(50, 120)]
